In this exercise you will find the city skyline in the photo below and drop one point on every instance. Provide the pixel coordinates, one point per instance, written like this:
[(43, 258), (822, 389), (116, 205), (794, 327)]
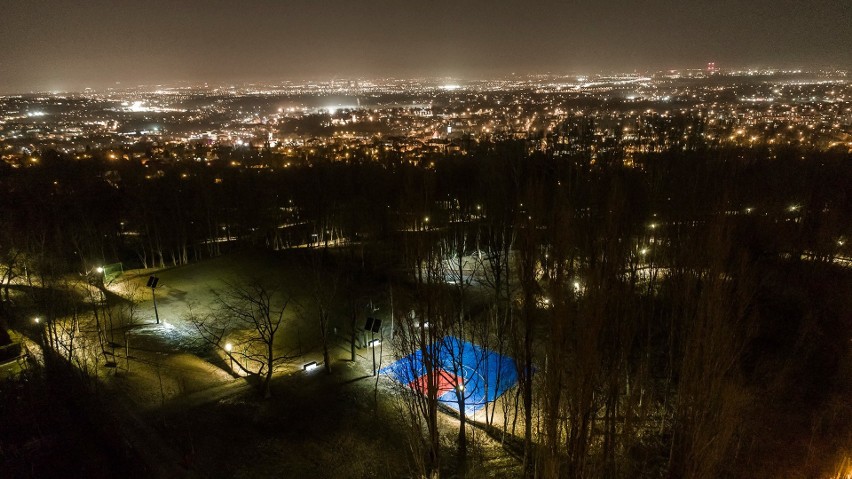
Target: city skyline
[(53, 46)]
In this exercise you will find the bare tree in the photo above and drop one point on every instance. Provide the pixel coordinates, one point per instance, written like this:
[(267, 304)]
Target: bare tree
[(324, 281), (418, 339), (11, 268), (710, 398), (122, 314), (459, 269), (419, 335), (253, 315)]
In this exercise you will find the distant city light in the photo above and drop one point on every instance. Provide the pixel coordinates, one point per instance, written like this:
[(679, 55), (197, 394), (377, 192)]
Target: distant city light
[(137, 106)]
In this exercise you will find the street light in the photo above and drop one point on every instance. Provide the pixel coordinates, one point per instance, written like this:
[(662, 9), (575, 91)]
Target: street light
[(99, 269), (36, 320)]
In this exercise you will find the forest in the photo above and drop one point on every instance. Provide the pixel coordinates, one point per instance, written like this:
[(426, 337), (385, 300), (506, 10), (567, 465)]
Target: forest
[(683, 316)]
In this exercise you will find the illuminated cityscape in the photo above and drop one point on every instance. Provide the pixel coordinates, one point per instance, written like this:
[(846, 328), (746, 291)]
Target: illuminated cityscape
[(475, 239), (362, 120)]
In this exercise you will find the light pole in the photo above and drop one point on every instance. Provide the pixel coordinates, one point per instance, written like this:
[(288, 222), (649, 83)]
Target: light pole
[(228, 348), (373, 344), (373, 325), (152, 283), (46, 333)]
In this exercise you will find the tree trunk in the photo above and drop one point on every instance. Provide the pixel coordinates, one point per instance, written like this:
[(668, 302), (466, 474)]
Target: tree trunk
[(267, 391), (324, 334)]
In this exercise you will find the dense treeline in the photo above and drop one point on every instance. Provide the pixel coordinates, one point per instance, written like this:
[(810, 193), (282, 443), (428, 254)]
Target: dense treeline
[(686, 317), (157, 214)]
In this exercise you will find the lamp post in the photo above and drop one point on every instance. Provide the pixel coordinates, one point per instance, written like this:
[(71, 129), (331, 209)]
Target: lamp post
[(47, 333), (373, 344), (152, 283), (228, 348), (374, 326)]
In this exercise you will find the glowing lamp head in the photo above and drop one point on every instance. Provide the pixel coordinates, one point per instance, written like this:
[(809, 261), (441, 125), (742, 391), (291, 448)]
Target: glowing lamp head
[(99, 269), (229, 347)]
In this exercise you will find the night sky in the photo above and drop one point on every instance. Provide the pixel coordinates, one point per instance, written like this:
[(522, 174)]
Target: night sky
[(65, 45)]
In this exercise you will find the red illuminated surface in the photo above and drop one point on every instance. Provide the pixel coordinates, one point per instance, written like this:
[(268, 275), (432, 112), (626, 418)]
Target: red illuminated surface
[(446, 383)]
